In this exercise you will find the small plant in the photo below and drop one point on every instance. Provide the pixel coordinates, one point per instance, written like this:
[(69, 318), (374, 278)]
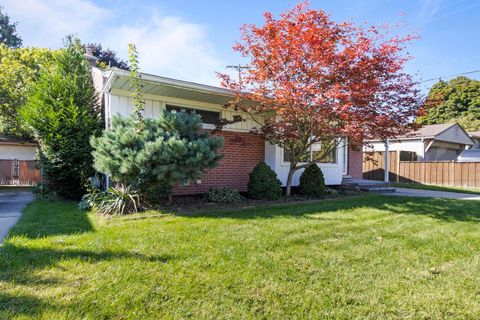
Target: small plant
[(43, 191), (115, 201), (263, 183), (331, 191), (312, 182), (223, 195)]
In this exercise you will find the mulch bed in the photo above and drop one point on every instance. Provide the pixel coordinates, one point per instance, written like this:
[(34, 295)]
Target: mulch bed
[(185, 205)]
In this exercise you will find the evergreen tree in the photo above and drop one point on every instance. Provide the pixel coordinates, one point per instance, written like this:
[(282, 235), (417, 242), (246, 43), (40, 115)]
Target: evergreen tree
[(263, 183), (457, 100), (312, 182), (167, 151), (63, 112), (106, 57), (8, 31)]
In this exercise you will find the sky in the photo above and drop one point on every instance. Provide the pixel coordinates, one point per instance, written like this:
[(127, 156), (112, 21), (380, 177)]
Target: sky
[(191, 40)]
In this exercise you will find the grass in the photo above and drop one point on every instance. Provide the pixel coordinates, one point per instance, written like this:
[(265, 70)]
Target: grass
[(368, 257), (436, 188)]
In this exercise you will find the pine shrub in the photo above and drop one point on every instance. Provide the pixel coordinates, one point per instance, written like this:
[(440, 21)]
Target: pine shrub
[(263, 183), (312, 182), (168, 150)]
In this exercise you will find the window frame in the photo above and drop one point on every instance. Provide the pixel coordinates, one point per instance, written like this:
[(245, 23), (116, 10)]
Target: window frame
[(311, 155), (205, 125)]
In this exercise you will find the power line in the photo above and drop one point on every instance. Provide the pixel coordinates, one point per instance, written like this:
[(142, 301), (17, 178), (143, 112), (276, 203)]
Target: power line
[(449, 76)]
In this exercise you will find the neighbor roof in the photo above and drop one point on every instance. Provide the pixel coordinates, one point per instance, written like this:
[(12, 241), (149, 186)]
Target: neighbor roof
[(4, 139), (428, 131), (474, 134)]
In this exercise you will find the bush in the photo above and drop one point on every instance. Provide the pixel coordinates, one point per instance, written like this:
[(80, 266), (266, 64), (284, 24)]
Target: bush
[(223, 195), (63, 112), (41, 190), (312, 182), (263, 183), (168, 150), (115, 201), (331, 192)]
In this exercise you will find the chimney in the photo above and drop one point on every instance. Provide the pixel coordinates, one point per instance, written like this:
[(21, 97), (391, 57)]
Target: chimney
[(92, 60)]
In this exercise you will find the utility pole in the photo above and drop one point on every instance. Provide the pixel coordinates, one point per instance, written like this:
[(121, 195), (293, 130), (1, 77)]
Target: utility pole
[(239, 68)]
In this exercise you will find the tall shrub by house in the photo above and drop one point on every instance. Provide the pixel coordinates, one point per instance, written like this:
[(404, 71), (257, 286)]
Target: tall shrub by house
[(168, 150), (312, 182), (63, 112), (263, 183)]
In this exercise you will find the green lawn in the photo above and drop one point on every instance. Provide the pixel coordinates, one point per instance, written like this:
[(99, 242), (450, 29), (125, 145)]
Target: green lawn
[(436, 188), (368, 257)]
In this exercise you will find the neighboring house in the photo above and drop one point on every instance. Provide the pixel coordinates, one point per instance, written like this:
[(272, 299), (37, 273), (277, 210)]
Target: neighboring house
[(12, 148), (242, 148), (429, 143), (475, 136), (17, 162)]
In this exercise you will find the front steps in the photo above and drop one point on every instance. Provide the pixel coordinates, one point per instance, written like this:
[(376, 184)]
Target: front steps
[(366, 185)]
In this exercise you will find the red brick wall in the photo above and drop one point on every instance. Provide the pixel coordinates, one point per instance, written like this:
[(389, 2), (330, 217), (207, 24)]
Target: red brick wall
[(355, 162), (242, 151)]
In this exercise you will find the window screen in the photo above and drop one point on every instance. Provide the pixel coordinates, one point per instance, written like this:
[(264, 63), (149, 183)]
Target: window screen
[(208, 117)]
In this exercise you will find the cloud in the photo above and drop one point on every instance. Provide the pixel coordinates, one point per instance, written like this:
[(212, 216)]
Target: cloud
[(429, 8), (168, 45), (46, 23)]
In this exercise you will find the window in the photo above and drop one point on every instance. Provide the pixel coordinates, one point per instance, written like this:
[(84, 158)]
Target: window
[(314, 153), (208, 117)]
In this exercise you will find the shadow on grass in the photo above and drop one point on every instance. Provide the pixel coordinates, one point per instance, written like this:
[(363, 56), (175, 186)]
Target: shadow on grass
[(19, 305), (44, 218), (18, 261), (442, 209)]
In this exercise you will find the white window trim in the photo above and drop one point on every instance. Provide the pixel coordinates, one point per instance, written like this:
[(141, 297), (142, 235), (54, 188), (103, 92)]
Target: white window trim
[(323, 164)]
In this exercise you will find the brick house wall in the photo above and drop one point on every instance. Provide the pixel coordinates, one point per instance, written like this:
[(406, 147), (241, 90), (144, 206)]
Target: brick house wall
[(355, 162), (241, 151)]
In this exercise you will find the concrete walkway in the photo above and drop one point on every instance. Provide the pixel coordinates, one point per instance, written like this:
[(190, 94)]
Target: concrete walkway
[(11, 205), (433, 194)]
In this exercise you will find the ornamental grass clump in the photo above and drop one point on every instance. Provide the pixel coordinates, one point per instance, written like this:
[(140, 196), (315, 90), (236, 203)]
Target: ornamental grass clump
[(223, 195)]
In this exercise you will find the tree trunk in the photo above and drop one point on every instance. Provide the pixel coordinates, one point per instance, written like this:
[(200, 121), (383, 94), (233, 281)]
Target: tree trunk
[(288, 190)]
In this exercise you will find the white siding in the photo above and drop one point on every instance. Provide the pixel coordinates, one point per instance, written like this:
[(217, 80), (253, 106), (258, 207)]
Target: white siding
[(121, 104), (332, 172), (19, 152)]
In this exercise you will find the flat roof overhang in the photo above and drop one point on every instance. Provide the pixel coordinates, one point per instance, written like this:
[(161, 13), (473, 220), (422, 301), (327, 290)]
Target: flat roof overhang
[(167, 87)]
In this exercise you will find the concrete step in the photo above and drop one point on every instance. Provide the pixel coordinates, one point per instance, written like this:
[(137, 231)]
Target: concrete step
[(376, 189)]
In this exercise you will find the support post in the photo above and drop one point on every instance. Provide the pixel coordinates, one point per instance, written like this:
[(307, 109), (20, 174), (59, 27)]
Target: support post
[(386, 162)]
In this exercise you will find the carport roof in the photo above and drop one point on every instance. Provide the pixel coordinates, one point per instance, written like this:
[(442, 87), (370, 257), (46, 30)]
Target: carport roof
[(4, 139)]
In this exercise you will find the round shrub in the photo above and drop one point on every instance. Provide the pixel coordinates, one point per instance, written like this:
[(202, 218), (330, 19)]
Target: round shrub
[(312, 182), (263, 183)]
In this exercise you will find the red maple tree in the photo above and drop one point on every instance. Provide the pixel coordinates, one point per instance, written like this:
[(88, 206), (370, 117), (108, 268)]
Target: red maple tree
[(321, 81)]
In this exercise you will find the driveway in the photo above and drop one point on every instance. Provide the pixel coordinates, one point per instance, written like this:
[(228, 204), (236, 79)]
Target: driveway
[(433, 194), (11, 205)]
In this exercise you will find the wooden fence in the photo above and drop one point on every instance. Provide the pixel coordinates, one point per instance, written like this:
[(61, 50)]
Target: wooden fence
[(443, 173), (19, 172)]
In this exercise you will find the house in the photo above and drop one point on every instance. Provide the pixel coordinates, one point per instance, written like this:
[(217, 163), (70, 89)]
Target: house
[(436, 142), (242, 148), (12, 148), (17, 162), (475, 136)]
